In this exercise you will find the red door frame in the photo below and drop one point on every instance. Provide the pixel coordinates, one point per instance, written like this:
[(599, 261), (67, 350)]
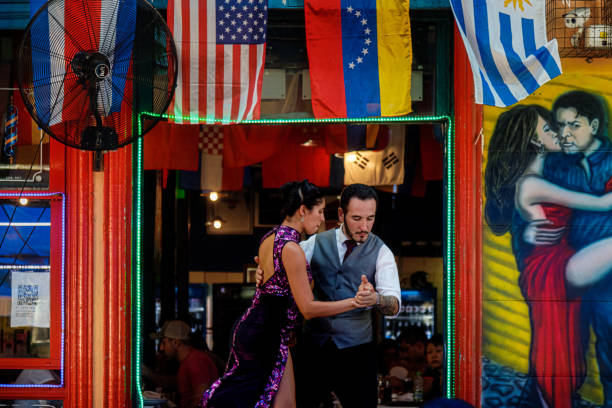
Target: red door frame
[(468, 227), (71, 172)]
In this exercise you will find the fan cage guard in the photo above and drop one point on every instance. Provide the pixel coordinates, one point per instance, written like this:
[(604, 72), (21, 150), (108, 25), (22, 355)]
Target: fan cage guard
[(88, 66), (583, 28)]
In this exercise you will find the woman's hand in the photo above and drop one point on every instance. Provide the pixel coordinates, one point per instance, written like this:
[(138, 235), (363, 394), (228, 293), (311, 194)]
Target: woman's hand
[(366, 296), (259, 274)]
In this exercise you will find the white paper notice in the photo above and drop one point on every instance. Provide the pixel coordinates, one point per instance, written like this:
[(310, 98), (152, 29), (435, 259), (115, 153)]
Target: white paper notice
[(30, 299)]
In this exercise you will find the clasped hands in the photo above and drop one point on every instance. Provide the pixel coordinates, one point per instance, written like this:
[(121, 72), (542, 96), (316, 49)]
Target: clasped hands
[(366, 296)]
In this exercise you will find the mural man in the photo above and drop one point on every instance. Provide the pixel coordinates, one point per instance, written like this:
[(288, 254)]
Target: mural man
[(584, 165)]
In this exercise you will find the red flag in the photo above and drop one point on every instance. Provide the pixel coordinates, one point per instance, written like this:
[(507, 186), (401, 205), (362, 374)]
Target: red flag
[(221, 52), (432, 155), (171, 147), (296, 162), (246, 145), (332, 137)]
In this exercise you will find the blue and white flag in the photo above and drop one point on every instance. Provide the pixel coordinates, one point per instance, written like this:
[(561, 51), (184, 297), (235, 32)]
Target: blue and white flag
[(506, 43)]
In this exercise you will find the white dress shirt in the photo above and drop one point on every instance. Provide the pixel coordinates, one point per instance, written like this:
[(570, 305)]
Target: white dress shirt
[(386, 276)]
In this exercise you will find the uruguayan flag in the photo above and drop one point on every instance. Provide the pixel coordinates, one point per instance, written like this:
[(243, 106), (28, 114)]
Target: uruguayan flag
[(507, 47)]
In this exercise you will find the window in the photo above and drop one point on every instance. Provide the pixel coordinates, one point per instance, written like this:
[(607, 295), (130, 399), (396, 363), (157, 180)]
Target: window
[(31, 287)]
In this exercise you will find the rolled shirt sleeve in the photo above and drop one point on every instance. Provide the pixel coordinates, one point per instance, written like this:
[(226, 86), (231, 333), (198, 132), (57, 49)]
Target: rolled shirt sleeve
[(308, 246), (387, 277)]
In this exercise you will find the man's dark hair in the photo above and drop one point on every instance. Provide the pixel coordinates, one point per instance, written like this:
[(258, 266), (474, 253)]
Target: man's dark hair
[(412, 336), (436, 340), (586, 104), (360, 191)]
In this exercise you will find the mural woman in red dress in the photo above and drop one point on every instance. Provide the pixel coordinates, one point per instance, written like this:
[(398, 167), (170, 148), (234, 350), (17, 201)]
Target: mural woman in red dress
[(550, 276)]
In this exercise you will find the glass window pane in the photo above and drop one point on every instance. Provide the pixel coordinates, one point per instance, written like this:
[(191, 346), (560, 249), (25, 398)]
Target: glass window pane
[(31, 404), (25, 279), (29, 166)]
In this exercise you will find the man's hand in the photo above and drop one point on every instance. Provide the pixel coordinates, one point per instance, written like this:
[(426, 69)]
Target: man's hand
[(537, 233), (366, 295), (259, 275)]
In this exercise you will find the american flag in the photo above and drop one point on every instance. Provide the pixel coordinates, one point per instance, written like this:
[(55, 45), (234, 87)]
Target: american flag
[(221, 50)]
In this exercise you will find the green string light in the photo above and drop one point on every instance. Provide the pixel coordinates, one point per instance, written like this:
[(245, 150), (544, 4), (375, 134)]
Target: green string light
[(449, 261), (137, 179)]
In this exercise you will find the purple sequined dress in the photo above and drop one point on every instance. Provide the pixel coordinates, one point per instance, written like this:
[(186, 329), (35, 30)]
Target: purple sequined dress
[(260, 340)]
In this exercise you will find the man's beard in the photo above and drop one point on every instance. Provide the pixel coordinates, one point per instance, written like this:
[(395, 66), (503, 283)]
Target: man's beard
[(349, 233)]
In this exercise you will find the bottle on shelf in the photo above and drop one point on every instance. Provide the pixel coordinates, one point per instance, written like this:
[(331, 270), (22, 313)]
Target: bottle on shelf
[(418, 387)]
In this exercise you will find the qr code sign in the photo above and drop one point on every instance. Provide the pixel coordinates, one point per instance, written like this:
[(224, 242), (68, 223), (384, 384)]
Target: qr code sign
[(27, 295)]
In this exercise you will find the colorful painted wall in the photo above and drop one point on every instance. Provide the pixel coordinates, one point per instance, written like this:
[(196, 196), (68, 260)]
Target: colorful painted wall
[(545, 305)]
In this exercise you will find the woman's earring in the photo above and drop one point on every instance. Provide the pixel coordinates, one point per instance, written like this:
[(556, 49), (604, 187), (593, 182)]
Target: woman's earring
[(540, 148), (302, 219)]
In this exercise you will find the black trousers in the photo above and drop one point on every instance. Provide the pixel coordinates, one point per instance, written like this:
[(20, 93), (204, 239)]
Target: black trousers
[(350, 373)]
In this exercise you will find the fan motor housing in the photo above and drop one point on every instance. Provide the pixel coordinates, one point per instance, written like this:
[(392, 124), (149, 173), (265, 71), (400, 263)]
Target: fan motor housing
[(91, 66)]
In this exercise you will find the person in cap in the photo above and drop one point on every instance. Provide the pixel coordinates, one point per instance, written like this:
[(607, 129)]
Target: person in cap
[(197, 371)]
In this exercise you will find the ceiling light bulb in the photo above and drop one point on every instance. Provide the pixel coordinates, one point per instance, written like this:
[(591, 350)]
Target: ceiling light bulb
[(23, 201), (351, 157), (213, 196), (217, 224)]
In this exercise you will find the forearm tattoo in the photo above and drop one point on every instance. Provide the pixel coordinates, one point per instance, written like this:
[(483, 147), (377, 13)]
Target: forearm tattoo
[(388, 305)]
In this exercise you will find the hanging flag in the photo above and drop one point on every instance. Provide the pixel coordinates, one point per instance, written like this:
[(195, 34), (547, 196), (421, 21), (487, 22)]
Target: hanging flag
[(221, 52), (507, 48), (211, 175), (296, 162), (10, 129), (378, 167), (432, 154), (171, 147), (108, 27), (246, 145), (360, 56)]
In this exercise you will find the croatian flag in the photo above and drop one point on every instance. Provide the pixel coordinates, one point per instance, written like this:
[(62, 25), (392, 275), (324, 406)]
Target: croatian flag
[(221, 46), (507, 48), (107, 27), (360, 56)]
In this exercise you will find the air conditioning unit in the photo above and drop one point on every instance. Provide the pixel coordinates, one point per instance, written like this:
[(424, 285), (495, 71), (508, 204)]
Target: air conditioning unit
[(598, 36)]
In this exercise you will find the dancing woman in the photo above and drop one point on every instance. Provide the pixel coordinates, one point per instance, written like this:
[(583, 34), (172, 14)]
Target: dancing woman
[(260, 370)]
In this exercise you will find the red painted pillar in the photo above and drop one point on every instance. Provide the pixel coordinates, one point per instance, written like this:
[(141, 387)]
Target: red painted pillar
[(79, 266), (114, 385), (118, 211), (468, 222)]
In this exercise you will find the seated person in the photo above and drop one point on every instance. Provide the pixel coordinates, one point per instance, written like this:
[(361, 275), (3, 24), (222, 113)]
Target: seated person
[(412, 350), (411, 360), (434, 354), (387, 356), (197, 371)]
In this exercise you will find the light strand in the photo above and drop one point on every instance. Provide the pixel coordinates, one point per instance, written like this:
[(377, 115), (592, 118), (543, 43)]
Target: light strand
[(63, 255)]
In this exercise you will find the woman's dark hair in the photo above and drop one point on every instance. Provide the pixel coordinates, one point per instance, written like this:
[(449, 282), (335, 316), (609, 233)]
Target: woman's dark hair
[(436, 340), (510, 152), (297, 193)]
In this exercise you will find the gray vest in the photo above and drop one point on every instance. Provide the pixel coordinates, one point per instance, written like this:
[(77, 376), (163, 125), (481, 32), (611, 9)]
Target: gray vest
[(335, 281)]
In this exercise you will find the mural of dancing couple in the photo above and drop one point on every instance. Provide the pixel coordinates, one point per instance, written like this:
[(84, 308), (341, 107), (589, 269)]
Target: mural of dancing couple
[(547, 298)]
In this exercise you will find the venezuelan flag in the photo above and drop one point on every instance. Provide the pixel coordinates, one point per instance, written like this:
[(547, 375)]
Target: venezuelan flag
[(360, 56)]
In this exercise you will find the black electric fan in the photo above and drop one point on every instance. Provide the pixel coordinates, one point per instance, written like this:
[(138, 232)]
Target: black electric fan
[(85, 68)]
